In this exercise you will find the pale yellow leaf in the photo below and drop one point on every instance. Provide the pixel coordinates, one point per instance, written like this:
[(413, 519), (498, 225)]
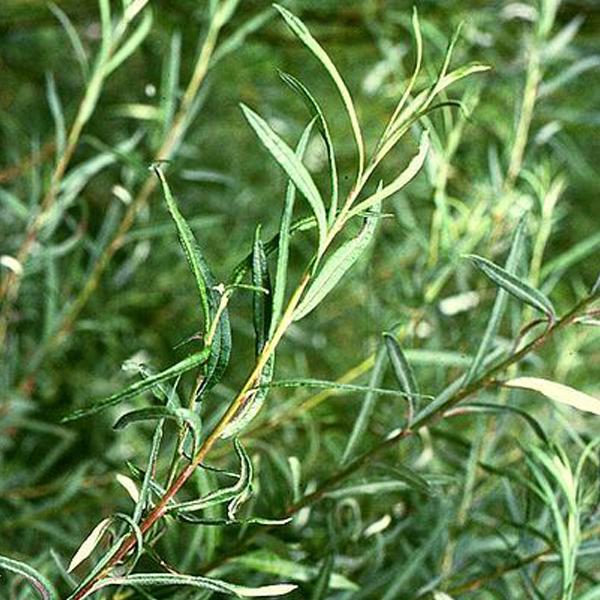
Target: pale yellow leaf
[(129, 486), (90, 542), (557, 392)]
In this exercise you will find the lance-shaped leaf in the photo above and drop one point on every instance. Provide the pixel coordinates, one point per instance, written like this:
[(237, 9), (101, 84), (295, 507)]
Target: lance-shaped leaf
[(367, 406), (322, 583), (222, 495), (266, 561), (92, 540), (486, 407), (411, 171), (245, 265), (301, 31), (205, 282), (141, 386), (205, 583), (263, 296), (202, 275), (341, 387), (153, 413), (293, 167), (42, 586), (557, 392), (499, 307), (335, 267), (252, 403), (402, 371), (285, 234), (317, 112), (515, 286)]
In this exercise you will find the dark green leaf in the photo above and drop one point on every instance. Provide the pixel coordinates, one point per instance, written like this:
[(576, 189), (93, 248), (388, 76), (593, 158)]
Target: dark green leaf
[(137, 388), (41, 585)]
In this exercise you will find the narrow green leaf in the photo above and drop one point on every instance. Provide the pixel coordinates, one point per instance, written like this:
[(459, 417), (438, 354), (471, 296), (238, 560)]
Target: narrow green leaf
[(205, 283), (317, 111), (322, 584), (195, 520), (366, 408), (421, 102), (239, 36), (333, 385), (413, 168), (515, 286), (294, 168), (146, 488), (41, 585), (512, 262), (137, 388), (202, 275), (74, 38), (265, 561), (239, 490), (335, 267), (252, 404), (57, 114), (402, 371), (245, 265), (485, 407), (206, 583), (262, 302), (181, 415), (131, 44), (419, 44), (301, 31), (285, 226)]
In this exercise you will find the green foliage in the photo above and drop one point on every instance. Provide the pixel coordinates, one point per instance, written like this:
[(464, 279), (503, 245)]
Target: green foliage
[(354, 410)]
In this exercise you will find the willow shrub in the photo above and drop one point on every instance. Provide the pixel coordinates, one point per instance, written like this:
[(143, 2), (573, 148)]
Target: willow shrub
[(260, 530)]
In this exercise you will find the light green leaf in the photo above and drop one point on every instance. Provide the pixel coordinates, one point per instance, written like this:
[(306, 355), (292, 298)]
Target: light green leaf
[(284, 237), (402, 371), (41, 585), (322, 584), (333, 385), (413, 168), (202, 275), (181, 415), (335, 267), (485, 407), (222, 495), (265, 561), (252, 403), (367, 406), (515, 286), (557, 392), (141, 386), (317, 112), (294, 168), (205, 283), (206, 583), (131, 44), (301, 31), (57, 114), (499, 307), (74, 38)]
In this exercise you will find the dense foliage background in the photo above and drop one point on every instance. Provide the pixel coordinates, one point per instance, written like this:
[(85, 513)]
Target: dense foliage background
[(469, 525)]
